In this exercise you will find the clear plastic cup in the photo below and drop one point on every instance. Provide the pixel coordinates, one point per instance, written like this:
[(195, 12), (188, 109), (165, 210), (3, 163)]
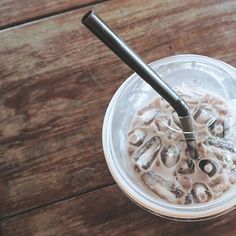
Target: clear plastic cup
[(189, 71)]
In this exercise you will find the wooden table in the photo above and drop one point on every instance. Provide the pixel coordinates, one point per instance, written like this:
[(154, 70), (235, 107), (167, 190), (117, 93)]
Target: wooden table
[(56, 80)]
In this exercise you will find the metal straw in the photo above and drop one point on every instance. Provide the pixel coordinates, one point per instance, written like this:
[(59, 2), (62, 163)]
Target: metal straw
[(122, 50)]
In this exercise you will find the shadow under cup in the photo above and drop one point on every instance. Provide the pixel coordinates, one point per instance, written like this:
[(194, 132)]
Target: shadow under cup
[(190, 72)]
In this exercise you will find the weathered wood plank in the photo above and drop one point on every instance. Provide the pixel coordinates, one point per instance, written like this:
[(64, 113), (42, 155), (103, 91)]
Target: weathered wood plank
[(107, 211), (57, 79), (13, 12)]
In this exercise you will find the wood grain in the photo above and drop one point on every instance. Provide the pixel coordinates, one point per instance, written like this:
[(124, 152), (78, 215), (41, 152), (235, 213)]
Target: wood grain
[(13, 12), (57, 80), (108, 212)]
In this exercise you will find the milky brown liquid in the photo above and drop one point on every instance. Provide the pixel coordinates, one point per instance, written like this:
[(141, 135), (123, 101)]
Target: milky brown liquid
[(158, 153)]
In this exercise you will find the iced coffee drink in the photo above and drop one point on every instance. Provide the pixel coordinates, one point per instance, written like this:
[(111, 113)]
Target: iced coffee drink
[(158, 152)]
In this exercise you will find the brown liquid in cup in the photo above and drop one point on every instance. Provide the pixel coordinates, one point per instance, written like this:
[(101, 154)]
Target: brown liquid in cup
[(158, 154)]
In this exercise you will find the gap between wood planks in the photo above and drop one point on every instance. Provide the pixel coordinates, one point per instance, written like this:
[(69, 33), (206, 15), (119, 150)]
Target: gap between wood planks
[(4, 218), (31, 20), (48, 15)]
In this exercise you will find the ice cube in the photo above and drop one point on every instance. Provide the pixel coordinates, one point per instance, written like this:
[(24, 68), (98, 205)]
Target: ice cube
[(218, 128), (219, 185), (222, 109), (146, 154), (188, 198), (137, 136), (147, 116), (162, 122), (201, 193), (190, 97), (164, 188), (170, 156), (226, 160), (176, 119), (219, 104), (187, 167), (222, 143), (208, 166), (205, 114)]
